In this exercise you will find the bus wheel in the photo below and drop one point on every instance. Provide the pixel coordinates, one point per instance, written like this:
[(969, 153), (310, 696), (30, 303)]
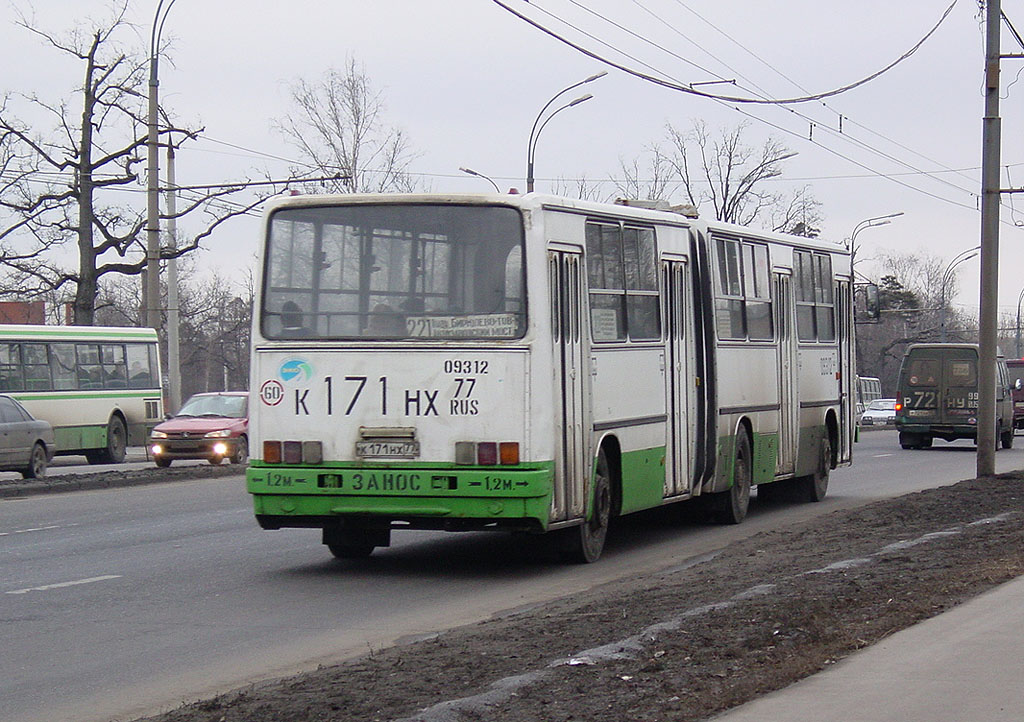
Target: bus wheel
[(36, 468), (116, 443), (909, 441), (348, 543), (732, 504), (584, 543), (814, 487), (1007, 438)]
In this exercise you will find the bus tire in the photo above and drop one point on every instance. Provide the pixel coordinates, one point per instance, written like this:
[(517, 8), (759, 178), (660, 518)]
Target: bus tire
[(909, 441), (36, 468), (117, 441), (584, 543), (1007, 438), (732, 504), (348, 543), (813, 487)]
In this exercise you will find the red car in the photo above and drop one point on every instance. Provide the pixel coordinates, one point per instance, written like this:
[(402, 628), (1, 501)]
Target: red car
[(212, 426)]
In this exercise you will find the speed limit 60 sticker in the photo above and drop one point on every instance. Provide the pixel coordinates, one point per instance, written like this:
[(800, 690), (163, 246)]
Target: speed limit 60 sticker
[(271, 392)]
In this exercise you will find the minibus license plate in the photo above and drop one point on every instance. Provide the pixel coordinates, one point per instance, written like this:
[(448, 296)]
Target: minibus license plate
[(387, 449)]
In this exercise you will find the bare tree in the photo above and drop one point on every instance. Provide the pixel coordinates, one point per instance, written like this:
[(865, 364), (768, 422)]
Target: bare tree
[(214, 325), (577, 188), (798, 214), (727, 172), (338, 126), (915, 294), (656, 182), (54, 184)]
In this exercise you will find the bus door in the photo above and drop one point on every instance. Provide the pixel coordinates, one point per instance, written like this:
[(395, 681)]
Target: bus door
[(847, 404), (572, 457), (787, 369), (679, 376)]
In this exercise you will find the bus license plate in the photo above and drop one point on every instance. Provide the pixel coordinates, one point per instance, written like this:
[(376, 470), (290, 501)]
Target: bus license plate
[(387, 449)]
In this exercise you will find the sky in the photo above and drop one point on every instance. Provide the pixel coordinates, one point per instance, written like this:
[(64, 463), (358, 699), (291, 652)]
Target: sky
[(465, 80)]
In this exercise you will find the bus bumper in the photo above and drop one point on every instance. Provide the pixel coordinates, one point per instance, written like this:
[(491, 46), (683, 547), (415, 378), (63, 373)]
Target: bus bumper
[(450, 498)]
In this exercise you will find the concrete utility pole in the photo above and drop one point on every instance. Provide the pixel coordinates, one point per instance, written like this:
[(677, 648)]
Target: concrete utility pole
[(987, 321), (173, 319)]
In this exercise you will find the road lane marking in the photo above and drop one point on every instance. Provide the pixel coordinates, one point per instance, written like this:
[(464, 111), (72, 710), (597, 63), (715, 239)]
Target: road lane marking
[(881, 456), (61, 585), (37, 528)]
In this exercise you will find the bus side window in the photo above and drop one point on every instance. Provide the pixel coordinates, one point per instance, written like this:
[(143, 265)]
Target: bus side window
[(139, 374), (11, 378), (62, 366), (36, 367)]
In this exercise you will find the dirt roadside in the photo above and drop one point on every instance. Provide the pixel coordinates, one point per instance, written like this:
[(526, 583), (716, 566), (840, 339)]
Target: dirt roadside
[(685, 643), (112, 478)]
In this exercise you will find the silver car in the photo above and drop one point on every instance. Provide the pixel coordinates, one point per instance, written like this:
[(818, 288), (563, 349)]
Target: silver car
[(880, 412), (26, 443)]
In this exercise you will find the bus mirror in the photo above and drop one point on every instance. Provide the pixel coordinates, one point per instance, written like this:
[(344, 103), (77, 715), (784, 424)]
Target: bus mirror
[(1018, 384), (866, 303)]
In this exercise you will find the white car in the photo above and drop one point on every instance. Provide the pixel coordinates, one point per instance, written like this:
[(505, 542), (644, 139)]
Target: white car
[(879, 412)]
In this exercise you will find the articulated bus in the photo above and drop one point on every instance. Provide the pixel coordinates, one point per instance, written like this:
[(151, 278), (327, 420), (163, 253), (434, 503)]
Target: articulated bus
[(99, 387), (537, 364)]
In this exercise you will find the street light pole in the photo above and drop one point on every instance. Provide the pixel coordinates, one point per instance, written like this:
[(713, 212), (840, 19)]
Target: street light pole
[(1019, 299), (152, 277), (868, 223), (852, 248), (946, 276), (531, 145), (470, 171)]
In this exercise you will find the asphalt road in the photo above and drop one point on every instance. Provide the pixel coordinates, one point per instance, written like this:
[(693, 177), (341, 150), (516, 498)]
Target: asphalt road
[(120, 602)]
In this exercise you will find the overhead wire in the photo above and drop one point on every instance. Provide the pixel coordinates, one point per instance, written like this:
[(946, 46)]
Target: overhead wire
[(725, 99), (843, 117), (825, 128)]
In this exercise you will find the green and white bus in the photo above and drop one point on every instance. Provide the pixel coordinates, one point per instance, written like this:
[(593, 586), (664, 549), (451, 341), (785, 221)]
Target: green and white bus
[(538, 364), (99, 387)]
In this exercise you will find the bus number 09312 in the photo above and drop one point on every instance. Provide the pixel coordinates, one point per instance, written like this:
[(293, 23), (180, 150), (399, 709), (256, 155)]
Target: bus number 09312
[(465, 366)]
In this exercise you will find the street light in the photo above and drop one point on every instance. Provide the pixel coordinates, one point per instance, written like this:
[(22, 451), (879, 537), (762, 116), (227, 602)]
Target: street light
[(531, 146), (946, 275), (470, 171), (869, 223), (1019, 299), (153, 172)]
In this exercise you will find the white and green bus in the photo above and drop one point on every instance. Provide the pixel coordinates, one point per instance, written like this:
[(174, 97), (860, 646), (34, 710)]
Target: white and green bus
[(538, 364), (99, 387)]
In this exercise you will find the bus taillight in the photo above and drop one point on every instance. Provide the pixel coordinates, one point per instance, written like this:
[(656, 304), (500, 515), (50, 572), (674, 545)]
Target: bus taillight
[(487, 453), (509, 453), (293, 452), (272, 452)]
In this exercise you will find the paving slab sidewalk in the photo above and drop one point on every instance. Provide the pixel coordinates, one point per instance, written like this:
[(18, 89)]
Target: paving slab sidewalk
[(963, 665)]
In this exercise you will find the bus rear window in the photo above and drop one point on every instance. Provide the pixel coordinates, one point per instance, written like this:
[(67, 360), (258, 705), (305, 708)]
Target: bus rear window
[(391, 271), (961, 372), (924, 372)]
